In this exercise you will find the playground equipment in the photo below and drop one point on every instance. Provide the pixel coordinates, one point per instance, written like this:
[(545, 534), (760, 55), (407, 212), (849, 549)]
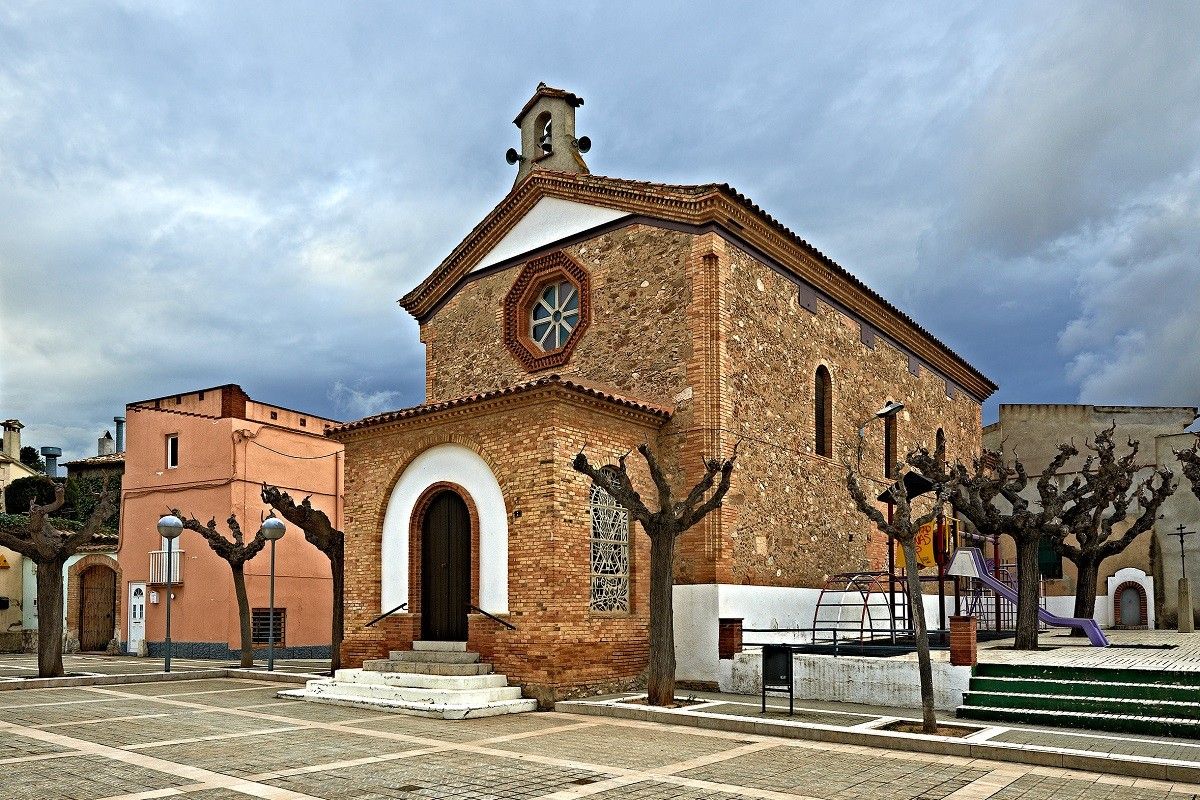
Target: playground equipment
[(968, 563), (854, 606)]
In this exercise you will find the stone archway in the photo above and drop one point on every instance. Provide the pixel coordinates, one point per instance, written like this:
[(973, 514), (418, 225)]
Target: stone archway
[(74, 600)]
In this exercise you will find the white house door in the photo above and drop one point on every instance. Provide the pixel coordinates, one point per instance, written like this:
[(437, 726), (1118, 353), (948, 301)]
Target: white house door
[(137, 616)]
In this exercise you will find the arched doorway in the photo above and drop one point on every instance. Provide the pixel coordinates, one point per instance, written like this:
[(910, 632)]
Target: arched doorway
[(445, 568), (97, 607), (1131, 606)]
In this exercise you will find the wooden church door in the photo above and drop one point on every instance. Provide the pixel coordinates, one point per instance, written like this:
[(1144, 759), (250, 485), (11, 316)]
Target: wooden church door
[(97, 605), (445, 568)]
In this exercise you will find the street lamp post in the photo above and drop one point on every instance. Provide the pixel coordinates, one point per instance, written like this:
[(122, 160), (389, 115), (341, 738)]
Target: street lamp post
[(169, 528), (272, 530), (891, 408)]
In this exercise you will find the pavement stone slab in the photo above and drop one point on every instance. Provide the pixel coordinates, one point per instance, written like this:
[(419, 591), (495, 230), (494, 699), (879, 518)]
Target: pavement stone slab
[(85, 777)]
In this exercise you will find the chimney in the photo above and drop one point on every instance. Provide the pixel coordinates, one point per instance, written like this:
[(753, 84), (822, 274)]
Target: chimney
[(105, 446), (12, 439), (51, 455), (120, 421)]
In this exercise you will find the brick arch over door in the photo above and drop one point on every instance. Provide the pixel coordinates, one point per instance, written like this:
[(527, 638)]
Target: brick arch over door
[(74, 572), (470, 474), (1143, 603)]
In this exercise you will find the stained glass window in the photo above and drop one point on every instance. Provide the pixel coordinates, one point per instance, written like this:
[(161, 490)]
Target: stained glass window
[(610, 553), (555, 315)]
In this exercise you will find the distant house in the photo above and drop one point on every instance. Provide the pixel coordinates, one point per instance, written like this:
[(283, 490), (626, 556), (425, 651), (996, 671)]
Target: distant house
[(11, 563), (1138, 587), (207, 453)]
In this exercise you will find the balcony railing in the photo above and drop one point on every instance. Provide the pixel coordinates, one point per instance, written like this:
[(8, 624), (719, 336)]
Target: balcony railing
[(158, 566)]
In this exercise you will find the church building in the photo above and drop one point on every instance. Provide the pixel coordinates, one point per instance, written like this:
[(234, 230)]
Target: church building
[(594, 313)]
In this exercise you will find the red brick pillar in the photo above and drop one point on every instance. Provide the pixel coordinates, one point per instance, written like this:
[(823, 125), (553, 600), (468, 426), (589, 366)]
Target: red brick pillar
[(963, 652), (729, 637)]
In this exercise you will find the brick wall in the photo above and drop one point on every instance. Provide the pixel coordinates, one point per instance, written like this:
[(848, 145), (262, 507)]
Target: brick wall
[(528, 441)]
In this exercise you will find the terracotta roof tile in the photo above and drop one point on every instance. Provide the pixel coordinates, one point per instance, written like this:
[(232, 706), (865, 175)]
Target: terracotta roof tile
[(571, 385)]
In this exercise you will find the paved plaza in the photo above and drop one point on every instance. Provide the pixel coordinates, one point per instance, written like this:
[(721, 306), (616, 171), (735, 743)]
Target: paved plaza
[(18, 666), (225, 738)]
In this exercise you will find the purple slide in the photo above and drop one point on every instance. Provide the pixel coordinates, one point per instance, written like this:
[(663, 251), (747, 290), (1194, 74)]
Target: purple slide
[(968, 563)]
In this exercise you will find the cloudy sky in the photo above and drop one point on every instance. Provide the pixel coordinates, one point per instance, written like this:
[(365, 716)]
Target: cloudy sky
[(195, 194)]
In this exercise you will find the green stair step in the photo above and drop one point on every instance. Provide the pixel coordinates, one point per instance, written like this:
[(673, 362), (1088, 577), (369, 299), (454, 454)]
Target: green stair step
[(1114, 723), (1080, 688), (1134, 707), (1089, 674)]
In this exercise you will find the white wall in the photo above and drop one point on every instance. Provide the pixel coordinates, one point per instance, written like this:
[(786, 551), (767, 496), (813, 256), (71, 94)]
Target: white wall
[(550, 220), (459, 465), (29, 617), (887, 682)]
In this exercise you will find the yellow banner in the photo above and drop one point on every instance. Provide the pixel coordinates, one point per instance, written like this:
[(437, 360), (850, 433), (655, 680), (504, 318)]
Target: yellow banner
[(926, 553)]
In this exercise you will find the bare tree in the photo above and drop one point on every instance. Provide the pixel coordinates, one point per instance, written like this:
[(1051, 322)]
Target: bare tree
[(37, 538), (989, 494), (321, 534), (1190, 459), (235, 553), (663, 527), (1102, 501), (903, 529)]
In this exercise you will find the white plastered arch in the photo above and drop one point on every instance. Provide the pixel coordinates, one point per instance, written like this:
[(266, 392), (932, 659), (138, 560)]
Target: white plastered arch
[(459, 465)]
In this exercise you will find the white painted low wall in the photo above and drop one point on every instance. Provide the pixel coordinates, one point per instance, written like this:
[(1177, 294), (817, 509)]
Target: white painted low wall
[(887, 682)]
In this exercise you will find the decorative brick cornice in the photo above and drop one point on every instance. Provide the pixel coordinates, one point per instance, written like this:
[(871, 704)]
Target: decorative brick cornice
[(701, 205), (518, 305), (549, 387)]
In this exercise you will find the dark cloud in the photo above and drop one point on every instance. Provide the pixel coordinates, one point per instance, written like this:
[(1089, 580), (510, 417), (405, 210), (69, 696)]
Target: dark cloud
[(195, 194)]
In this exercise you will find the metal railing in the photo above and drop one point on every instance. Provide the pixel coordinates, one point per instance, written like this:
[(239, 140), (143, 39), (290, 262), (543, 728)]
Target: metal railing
[(386, 614), (492, 617), (158, 566)]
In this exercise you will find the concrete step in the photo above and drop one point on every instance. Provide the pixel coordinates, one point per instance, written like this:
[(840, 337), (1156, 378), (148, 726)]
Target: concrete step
[(434, 656), (1116, 723), (440, 711), (1129, 707), (421, 680), (472, 698), (1089, 674), (441, 647), (1086, 688), (426, 668)]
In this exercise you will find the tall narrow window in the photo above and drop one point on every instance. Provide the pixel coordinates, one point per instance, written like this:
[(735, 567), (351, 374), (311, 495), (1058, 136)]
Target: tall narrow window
[(610, 553), (173, 451), (939, 444), (823, 413), (889, 446)]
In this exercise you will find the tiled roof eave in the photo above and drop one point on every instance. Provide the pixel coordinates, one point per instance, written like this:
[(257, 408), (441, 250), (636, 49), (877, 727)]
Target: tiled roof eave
[(538, 390)]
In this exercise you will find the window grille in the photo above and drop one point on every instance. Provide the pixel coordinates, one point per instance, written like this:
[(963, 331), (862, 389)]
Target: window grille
[(260, 626), (610, 553)]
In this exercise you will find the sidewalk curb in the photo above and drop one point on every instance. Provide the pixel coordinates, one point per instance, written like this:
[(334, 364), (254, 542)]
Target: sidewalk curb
[(1125, 766), (152, 677)]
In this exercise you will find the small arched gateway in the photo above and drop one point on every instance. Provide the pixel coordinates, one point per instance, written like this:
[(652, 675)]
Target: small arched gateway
[(93, 601)]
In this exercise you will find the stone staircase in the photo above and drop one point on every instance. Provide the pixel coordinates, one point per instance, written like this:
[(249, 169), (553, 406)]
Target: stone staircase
[(1141, 701), (434, 679)]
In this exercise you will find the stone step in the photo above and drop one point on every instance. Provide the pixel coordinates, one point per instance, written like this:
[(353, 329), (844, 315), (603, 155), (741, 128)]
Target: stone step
[(1091, 674), (1085, 688), (441, 647), (471, 698), (1118, 706), (446, 711), (1116, 723), (421, 680), (434, 656), (426, 668)]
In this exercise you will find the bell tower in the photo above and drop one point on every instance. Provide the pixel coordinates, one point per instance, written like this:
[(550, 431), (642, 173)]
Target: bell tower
[(548, 142)]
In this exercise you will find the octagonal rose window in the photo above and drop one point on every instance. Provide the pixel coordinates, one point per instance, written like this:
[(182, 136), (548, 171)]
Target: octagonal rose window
[(555, 314), (546, 311)]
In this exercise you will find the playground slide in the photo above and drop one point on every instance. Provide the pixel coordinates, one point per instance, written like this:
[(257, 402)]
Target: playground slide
[(976, 567)]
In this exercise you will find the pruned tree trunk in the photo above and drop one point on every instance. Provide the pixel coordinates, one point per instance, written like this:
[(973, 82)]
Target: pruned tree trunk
[(1029, 595), (337, 561), (50, 617), (1085, 590), (243, 602), (916, 600), (660, 675)]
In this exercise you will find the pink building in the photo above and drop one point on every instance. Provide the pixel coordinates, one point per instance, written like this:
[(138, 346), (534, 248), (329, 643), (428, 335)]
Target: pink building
[(207, 453)]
